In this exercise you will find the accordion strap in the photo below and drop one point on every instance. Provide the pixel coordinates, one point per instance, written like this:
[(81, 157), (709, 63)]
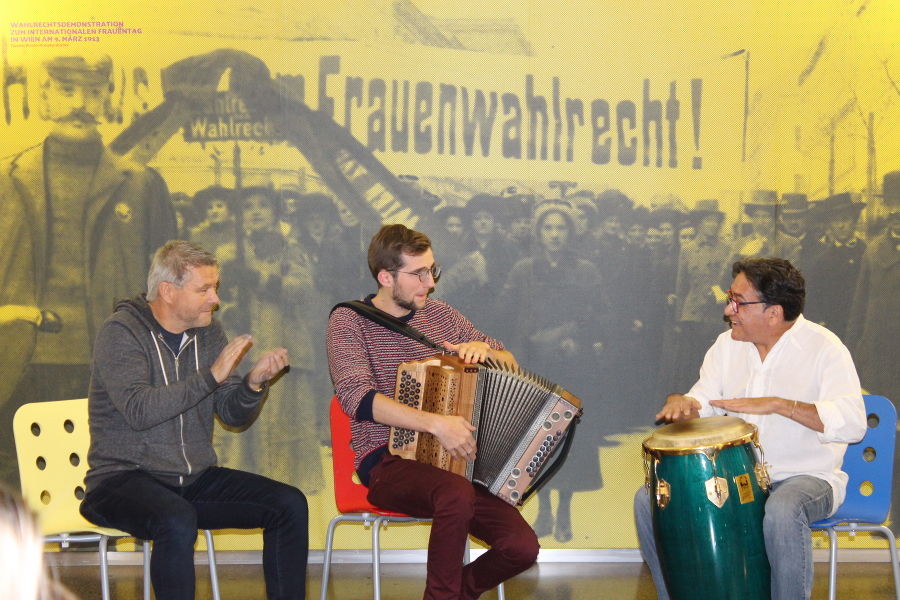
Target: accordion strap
[(388, 321)]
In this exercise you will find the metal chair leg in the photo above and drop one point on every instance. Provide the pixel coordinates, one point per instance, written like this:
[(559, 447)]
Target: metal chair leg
[(895, 566), (376, 557), (326, 563), (146, 546), (104, 568), (213, 571), (832, 564)]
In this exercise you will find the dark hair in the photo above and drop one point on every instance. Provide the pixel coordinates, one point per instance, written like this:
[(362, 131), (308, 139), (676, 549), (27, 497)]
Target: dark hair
[(777, 281), (204, 197), (316, 204), (270, 195), (448, 211), (390, 243), (484, 203)]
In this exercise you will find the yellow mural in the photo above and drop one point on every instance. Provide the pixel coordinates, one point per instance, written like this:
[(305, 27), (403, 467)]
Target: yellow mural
[(644, 113)]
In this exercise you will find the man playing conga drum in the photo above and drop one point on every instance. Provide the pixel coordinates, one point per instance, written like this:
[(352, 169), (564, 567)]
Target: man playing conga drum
[(796, 382)]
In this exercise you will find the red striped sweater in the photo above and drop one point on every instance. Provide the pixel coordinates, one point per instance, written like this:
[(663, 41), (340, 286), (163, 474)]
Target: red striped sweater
[(363, 358)]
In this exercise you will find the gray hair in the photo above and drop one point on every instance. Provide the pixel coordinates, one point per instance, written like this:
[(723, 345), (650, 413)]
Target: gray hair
[(172, 261)]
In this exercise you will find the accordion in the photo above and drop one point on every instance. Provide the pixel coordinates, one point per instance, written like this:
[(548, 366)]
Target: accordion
[(520, 420)]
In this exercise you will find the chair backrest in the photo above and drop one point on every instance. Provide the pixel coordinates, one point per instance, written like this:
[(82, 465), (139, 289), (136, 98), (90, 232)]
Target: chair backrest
[(52, 440), (349, 494), (870, 464)]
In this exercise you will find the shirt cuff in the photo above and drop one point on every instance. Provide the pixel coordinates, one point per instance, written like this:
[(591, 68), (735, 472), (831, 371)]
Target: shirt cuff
[(364, 412)]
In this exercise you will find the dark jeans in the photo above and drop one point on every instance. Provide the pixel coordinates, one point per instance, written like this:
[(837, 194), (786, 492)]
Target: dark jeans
[(219, 499), (457, 508)]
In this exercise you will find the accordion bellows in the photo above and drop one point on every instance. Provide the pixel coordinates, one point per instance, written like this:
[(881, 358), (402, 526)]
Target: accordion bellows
[(520, 420)]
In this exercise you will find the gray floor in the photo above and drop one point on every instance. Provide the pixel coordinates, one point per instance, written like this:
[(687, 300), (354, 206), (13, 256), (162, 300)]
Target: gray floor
[(544, 581)]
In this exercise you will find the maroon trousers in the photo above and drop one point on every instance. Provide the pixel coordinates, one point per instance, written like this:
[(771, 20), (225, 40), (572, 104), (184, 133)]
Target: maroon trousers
[(457, 508)]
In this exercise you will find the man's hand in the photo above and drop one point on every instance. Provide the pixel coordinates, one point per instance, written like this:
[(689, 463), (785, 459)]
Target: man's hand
[(455, 435), (267, 367), (678, 407), (469, 352), (230, 356)]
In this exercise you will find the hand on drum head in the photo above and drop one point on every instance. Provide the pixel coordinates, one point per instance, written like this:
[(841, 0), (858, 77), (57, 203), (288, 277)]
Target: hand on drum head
[(678, 407)]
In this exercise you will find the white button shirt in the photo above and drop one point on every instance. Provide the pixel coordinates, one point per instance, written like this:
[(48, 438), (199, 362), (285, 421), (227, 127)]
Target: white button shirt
[(808, 364)]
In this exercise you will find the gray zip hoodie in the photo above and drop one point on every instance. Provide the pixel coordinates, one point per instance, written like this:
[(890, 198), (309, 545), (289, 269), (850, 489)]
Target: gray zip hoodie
[(153, 409)]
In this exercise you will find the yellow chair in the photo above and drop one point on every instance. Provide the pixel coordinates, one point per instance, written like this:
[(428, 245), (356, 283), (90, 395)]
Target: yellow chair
[(52, 441)]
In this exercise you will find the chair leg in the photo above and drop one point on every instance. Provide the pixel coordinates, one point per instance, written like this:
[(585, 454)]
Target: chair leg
[(104, 568), (326, 562), (832, 563), (145, 548), (501, 592), (376, 558), (895, 567), (213, 571)]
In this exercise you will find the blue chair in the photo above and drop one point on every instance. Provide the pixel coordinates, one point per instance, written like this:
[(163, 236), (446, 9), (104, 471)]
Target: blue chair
[(870, 464)]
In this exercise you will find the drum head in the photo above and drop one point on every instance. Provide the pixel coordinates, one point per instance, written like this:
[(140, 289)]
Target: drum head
[(700, 433)]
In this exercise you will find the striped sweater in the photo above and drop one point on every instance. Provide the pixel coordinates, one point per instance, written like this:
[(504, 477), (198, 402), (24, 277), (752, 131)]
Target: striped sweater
[(363, 358)]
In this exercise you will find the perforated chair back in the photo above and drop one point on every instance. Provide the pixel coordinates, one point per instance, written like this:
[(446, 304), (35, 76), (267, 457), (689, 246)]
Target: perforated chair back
[(349, 493), (869, 465), (52, 441)]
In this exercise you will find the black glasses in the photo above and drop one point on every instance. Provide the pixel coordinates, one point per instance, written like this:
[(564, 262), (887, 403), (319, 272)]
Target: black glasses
[(422, 274), (736, 306)]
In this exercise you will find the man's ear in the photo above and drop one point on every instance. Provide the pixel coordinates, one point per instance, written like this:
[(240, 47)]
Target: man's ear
[(776, 312), (385, 278), (165, 290)]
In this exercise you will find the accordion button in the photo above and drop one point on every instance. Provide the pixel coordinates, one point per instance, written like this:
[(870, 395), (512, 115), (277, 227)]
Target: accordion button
[(512, 483), (516, 472), (555, 416), (547, 425)]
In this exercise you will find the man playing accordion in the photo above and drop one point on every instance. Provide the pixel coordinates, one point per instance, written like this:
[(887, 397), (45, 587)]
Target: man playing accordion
[(363, 358)]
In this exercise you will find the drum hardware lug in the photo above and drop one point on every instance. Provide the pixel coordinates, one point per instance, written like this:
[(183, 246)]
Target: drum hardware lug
[(663, 493), (717, 490), (762, 476), (648, 477)]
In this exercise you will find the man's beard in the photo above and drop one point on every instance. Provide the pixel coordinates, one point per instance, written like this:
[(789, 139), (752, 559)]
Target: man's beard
[(407, 304)]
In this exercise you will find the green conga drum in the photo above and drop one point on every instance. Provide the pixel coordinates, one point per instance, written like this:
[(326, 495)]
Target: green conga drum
[(707, 495)]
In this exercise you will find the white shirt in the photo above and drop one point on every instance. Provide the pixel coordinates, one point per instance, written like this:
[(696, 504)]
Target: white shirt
[(808, 364)]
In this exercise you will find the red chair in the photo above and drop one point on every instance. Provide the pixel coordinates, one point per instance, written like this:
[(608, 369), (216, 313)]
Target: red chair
[(352, 505)]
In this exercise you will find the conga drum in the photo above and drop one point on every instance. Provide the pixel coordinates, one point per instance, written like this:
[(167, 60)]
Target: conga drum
[(707, 496)]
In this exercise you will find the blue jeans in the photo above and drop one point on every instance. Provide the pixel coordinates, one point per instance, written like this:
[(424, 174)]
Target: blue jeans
[(220, 498), (792, 505)]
